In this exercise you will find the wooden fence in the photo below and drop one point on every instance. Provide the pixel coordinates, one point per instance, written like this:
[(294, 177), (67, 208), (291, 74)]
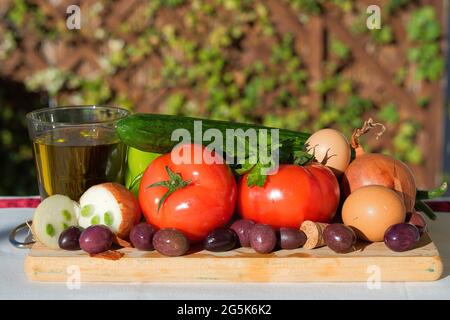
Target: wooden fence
[(372, 68)]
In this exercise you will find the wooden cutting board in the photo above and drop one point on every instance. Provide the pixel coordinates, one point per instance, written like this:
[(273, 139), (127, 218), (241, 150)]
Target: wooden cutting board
[(371, 262)]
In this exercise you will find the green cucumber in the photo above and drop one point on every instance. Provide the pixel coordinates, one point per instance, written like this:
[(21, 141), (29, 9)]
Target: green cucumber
[(152, 132)]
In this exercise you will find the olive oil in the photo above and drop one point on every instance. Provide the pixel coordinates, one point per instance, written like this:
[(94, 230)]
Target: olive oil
[(70, 160)]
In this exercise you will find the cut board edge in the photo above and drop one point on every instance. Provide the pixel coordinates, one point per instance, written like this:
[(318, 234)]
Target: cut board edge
[(374, 263), (345, 269)]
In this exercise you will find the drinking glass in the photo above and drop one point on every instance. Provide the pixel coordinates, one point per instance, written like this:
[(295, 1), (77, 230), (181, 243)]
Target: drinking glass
[(76, 147)]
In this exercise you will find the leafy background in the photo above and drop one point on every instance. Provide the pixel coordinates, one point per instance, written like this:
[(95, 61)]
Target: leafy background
[(296, 64)]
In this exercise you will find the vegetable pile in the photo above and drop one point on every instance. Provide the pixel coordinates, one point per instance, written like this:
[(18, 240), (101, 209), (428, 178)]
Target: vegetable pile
[(318, 197)]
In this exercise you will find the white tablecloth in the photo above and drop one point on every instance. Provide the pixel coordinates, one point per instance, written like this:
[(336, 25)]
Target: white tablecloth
[(14, 285)]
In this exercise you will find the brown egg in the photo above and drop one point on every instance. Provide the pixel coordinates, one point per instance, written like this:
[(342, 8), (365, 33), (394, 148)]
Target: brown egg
[(371, 210), (331, 148)]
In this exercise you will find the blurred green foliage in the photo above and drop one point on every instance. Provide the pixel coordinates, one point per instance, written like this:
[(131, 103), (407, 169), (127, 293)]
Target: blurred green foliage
[(383, 35), (424, 30), (395, 5), (389, 113), (206, 70)]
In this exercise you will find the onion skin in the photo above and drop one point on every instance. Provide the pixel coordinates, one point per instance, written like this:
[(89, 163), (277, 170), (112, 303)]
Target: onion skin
[(129, 206), (379, 169)]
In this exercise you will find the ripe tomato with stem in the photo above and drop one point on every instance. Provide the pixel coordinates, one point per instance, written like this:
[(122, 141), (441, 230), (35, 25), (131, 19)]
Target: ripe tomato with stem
[(192, 196)]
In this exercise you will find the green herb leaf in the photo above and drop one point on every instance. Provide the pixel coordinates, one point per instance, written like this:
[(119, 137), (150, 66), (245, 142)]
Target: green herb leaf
[(246, 167), (255, 177), (258, 173)]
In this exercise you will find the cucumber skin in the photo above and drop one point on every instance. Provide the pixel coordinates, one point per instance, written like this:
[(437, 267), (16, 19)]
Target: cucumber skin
[(152, 132)]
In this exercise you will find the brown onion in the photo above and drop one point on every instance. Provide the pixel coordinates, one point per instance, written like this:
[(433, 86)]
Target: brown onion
[(378, 169)]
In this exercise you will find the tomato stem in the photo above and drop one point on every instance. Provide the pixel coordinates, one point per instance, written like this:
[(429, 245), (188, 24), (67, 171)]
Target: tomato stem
[(303, 157), (174, 183)]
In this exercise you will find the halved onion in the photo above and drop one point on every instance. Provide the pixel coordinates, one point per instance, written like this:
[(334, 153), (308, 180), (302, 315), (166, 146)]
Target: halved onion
[(112, 205), (53, 215)]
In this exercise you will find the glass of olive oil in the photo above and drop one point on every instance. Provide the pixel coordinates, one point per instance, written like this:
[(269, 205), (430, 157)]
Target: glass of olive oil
[(76, 148)]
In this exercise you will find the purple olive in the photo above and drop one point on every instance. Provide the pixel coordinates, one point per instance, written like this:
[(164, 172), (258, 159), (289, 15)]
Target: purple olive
[(242, 228), (339, 237), (170, 242), (401, 237), (96, 239), (220, 239), (263, 238), (69, 239), (291, 238), (141, 236)]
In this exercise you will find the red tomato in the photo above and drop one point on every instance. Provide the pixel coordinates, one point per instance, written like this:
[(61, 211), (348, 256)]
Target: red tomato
[(206, 203), (292, 195)]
